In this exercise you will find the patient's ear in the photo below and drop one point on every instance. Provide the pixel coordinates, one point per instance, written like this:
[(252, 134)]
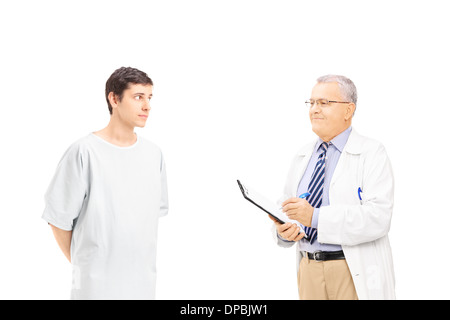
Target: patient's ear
[(113, 99)]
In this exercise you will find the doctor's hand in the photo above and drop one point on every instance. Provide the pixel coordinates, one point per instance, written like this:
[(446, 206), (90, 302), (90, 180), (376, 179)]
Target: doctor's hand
[(298, 209), (288, 231)]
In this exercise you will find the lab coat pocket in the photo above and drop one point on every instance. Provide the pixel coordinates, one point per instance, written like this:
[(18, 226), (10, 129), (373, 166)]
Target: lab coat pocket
[(346, 180), (360, 195)]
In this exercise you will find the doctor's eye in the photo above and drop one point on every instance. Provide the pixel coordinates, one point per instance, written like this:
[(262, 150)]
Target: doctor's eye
[(322, 102)]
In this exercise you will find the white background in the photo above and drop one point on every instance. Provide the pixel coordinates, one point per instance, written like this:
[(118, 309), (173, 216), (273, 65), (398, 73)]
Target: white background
[(230, 81)]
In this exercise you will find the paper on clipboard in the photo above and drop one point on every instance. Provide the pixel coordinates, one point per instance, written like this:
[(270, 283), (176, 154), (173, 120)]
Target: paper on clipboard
[(266, 205)]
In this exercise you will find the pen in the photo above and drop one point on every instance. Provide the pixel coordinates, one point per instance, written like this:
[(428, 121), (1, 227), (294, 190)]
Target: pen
[(303, 196), (359, 193)]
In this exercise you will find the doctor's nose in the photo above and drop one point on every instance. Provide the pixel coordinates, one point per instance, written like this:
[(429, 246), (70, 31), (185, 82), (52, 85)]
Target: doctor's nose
[(315, 108)]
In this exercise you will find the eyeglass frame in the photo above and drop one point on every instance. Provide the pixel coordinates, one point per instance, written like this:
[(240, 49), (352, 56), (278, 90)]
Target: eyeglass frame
[(325, 104)]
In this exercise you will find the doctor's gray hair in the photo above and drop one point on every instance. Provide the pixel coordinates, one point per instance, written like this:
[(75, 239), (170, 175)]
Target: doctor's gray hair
[(346, 86)]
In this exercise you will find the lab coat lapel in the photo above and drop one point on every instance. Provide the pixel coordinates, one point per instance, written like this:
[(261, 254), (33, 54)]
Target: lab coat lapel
[(353, 146)]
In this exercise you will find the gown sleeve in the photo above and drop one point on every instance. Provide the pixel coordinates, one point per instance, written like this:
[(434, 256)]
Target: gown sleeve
[(67, 190), (164, 206)]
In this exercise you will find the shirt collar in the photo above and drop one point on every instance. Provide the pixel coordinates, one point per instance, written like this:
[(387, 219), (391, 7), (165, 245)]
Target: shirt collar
[(339, 141)]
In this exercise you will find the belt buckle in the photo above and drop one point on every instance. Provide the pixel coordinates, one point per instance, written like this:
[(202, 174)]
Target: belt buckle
[(318, 255)]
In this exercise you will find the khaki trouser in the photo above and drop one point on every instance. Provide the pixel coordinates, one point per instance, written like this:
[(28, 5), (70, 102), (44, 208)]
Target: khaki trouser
[(325, 280)]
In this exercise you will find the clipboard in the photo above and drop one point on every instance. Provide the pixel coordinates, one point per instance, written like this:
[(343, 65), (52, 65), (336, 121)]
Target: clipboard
[(267, 206)]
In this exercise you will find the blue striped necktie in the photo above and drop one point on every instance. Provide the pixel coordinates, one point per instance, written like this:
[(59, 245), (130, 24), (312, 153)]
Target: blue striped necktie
[(315, 188)]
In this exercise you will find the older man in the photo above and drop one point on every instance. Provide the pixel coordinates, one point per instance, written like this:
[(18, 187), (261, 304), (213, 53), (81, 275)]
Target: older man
[(340, 189)]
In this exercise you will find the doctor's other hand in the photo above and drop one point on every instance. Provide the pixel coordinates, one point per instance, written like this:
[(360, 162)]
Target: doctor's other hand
[(298, 209), (288, 231)]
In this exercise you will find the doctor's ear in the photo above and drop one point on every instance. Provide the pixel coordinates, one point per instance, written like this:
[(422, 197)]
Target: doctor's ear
[(350, 111)]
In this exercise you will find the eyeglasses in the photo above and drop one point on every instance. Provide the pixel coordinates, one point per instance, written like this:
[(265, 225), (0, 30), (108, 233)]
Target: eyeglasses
[(321, 102)]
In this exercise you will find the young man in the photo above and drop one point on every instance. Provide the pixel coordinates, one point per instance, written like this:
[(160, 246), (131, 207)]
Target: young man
[(106, 197)]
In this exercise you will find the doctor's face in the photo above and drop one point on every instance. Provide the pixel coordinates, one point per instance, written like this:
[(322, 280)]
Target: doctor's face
[(330, 120)]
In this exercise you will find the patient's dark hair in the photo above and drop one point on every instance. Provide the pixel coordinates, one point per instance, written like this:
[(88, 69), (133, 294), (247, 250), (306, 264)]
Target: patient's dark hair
[(120, 79)]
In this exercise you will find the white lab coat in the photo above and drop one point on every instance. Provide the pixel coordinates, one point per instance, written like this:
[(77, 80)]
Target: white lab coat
[(360, 226)]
